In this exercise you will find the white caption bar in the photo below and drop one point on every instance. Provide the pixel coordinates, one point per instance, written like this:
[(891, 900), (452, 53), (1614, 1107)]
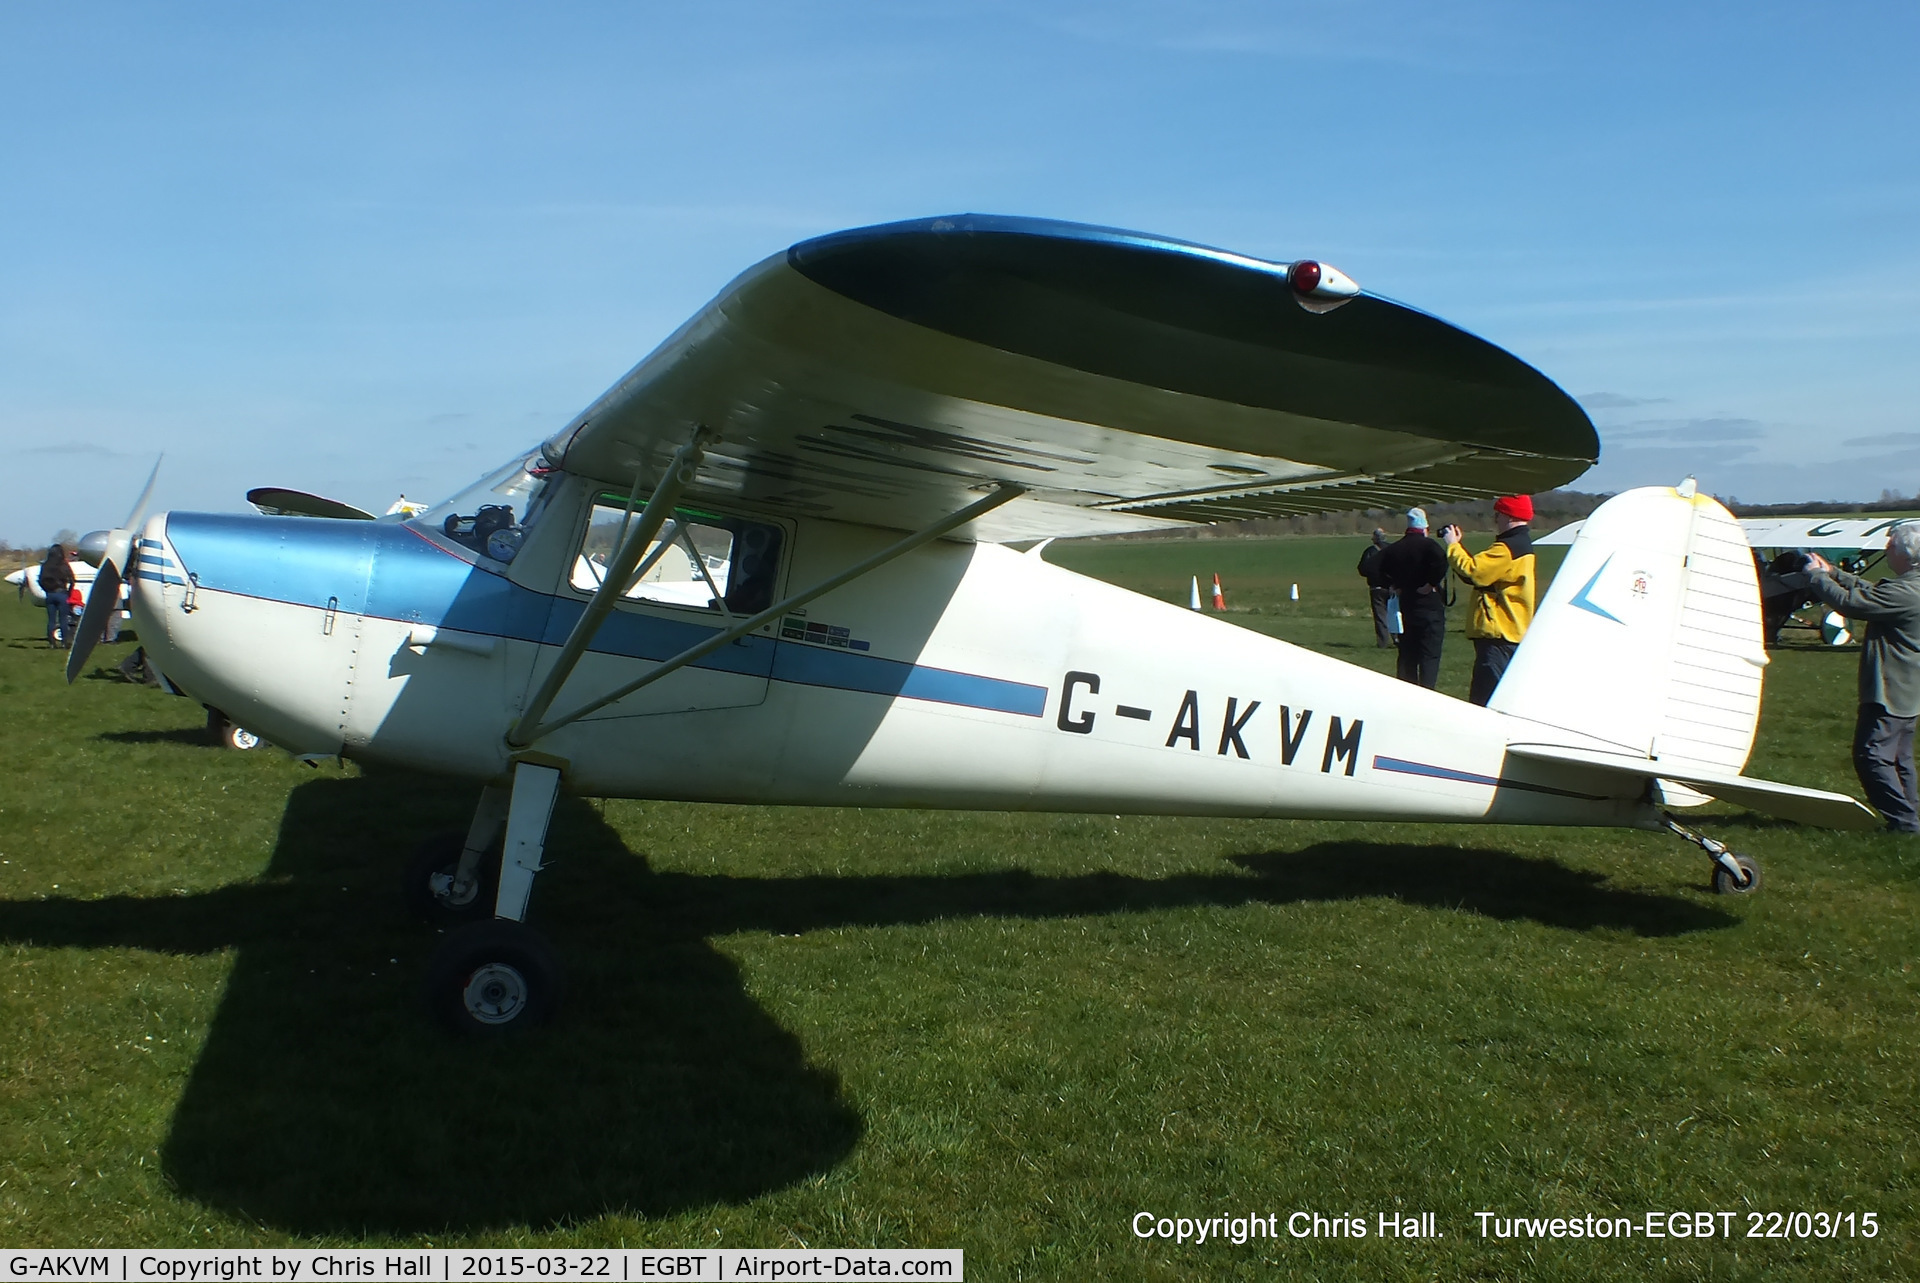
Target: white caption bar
[(625, 1265)]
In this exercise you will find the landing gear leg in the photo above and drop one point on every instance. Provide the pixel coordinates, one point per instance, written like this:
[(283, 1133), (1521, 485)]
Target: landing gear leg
[(495, 977), (1733, 874), (451, 880), (528, 813)]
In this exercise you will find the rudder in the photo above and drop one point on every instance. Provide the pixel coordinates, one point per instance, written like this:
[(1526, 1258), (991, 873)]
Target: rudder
[(1650, 636)]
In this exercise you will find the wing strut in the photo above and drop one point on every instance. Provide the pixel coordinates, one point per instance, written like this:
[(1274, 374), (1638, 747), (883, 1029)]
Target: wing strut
[(620, 572), (529, 728)]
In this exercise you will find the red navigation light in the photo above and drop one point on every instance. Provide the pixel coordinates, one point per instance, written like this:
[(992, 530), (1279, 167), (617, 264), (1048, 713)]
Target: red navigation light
[(1320, 287)]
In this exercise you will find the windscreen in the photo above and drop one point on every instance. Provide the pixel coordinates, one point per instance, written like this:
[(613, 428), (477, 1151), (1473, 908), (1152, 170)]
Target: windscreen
[(491, 517)]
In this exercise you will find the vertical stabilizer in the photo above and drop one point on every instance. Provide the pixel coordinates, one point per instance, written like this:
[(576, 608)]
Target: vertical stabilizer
[(1650, 636)]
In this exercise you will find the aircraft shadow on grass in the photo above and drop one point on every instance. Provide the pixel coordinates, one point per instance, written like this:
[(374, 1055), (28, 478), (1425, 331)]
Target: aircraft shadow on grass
[(324, 1103), (194, 735)]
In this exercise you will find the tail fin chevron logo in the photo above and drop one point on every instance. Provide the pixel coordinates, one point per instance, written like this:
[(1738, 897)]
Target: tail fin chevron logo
[(1584, 602)]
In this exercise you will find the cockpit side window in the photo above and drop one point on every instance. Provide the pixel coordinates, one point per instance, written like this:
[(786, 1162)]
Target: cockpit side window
[(695, 555)]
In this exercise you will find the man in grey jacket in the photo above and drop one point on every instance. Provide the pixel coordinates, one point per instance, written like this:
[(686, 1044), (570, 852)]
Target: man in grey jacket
[(1889, 671)]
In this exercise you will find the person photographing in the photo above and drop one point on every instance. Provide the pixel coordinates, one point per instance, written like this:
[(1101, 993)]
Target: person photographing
[(1889, 670), (1503, 591), (1416, 569)]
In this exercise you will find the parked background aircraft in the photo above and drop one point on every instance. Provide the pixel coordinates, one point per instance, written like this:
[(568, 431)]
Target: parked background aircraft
[(766, 566), (277, 501), (85, 557), (1857, 543), (1816, 533)]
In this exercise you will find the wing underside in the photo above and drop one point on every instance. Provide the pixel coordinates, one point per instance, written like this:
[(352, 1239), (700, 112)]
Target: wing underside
[(1125, 382)]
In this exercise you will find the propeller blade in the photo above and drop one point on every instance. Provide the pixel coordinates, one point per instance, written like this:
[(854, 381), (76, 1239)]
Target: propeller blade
[(140, 505), (102, 600)]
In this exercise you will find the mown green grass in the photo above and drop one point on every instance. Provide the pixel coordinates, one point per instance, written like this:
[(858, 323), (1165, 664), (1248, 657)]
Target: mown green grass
[(1006, 1033)]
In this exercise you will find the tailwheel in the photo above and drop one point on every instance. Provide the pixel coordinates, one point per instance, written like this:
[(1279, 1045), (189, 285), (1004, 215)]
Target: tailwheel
[(490, 979), (1733, 873), (433, 890), (1724, 881)]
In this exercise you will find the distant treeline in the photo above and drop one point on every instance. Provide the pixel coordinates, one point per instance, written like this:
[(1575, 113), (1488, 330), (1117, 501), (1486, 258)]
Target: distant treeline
[(1551, 510), (1888, 502), (13, 558)]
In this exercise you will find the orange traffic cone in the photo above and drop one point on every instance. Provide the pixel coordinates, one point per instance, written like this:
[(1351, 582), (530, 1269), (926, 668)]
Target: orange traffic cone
[(1219, 598)]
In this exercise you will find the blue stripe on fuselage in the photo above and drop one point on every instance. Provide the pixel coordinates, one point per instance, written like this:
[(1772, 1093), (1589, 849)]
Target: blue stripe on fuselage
[(1432, 772), (820, 666), (389, 571)]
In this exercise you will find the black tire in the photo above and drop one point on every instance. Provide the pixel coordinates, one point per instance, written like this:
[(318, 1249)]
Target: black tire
[(1724, 883), (439, 857), (493, 979)]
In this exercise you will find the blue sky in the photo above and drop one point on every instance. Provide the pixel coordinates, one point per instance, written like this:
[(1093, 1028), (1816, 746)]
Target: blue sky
[(361, 249)]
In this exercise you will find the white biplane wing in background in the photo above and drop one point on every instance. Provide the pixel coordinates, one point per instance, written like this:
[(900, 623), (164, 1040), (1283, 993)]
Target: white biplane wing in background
[(710, 564), (278, 501), (1829, 534)]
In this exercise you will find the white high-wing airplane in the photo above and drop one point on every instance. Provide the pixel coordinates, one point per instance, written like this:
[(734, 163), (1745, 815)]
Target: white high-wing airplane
[(1827, 534), (28, 577), (767, 567), (87, 553)]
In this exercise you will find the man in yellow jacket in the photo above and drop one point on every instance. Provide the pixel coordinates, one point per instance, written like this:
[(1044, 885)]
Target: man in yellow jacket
[(1502, 579)]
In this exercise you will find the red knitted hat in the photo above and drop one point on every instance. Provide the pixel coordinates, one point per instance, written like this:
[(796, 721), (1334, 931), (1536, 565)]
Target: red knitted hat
[(1515, 507)]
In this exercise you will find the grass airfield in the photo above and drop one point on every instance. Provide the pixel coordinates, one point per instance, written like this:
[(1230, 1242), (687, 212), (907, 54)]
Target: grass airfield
[(1006, 1033)]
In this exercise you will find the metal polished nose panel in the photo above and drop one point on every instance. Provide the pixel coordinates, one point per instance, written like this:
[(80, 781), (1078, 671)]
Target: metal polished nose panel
[(258, 617), (298, 561), (312, 631)]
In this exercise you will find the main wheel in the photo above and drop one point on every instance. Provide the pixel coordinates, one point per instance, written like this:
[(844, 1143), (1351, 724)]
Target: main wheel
[(493, 978), (428, 889), (229, 734), (1724, 883)]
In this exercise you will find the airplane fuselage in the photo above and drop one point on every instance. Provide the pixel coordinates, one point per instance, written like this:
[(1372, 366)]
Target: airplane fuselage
[(961, 675)]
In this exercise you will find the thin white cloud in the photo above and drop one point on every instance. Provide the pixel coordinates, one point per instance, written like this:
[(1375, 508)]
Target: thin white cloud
[(1688, 431), (78, 448), (1615, 401), (1885, 439), (1458, 38)]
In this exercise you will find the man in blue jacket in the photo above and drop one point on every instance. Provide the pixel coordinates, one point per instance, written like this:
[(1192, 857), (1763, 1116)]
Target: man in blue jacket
[(1889, 671)]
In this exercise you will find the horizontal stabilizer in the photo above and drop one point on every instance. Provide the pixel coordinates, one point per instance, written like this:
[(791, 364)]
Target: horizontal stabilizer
[(1801, 805)]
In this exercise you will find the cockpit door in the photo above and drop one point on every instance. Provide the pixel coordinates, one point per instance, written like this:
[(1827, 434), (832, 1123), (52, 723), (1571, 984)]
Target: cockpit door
[(706, 570)]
